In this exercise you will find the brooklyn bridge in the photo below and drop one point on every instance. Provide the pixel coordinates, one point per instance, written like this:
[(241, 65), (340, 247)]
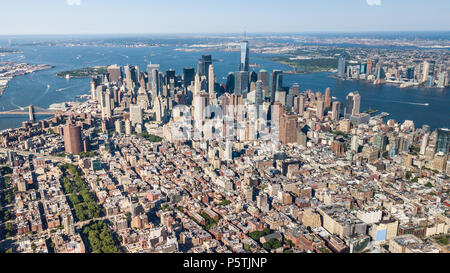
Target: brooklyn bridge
[(29, 110)]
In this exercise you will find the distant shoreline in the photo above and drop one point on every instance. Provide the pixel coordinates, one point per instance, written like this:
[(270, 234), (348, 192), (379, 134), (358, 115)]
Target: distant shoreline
[(398, 85)]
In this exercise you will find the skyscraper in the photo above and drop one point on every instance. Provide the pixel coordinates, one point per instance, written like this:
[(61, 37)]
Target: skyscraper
[(72, 139), (443, 141), (276, 83), (200, 102), (410, 73), (442, 79), (150, 73), (241, 83), (363, 69), (301, 105), (341, 67), (130, 77), (211, 82), (188, 76), (229, 86), (253, 77), (430, 77), (380, 73), (135, 114), (381, 143), (259, 97), (197, 85), (170, 75), (115, 73), (264, 77), (155, 83), (151, 67), (328, 98), (158, 109), (295, 89), (105, 103), (336, 111), (288, 128), (353, 104), (425, 71), (244, 64), (203, 65), (320, 108), (423, 145)]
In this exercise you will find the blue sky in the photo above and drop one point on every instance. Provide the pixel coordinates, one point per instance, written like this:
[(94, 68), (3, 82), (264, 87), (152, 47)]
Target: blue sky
[(224, 16)]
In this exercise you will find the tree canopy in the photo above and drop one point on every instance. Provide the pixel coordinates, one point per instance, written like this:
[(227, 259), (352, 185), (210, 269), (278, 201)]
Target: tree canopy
[(100, 238)]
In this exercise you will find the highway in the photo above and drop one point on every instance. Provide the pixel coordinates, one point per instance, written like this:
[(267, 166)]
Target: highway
[(26, 153)]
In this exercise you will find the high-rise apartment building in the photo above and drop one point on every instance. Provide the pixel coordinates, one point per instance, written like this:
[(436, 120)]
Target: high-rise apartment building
[(320, 108), (336, 111), (72, 139), (425, 71), (328, 98), (443, 141), (353, 104), (341, 67)]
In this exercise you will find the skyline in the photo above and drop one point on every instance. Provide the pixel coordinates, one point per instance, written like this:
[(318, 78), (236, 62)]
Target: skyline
[(164, 160), (151, 17), (232, 128)]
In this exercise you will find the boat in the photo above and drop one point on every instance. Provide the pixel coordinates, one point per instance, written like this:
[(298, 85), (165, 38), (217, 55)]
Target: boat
[(371, 111)]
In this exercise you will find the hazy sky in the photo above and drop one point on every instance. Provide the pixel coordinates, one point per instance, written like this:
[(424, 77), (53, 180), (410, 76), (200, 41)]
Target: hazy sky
[(224, 16)]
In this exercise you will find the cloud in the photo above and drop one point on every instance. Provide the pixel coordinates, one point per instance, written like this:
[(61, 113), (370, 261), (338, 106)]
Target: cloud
[(374, 2), (73, 2)]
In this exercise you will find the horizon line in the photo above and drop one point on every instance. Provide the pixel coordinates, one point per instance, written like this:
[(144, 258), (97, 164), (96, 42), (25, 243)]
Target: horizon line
[(225, 33)]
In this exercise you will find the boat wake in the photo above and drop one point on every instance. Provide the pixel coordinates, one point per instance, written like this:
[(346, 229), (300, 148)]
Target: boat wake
[(15, 105), (412, 103), (48, 89), (62, 89)]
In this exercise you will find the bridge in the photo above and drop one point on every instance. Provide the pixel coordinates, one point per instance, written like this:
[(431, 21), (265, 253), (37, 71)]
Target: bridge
[(26, 111)]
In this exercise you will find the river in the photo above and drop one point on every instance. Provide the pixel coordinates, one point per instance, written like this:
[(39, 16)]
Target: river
[(43, 88)]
